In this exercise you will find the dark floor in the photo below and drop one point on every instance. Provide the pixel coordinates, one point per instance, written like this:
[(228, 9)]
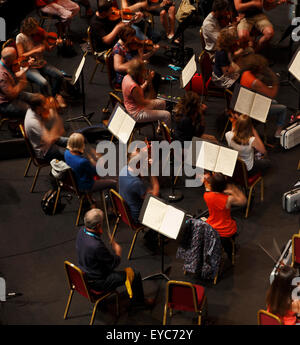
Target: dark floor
[(34, 246)]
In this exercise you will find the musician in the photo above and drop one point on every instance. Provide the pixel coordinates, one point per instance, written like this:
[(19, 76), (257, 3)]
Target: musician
[(212, 25), (165, 9), (252, 15), (259, 77), (140, 108), (279, 296), (104, 31), (44, 129), (32, 42), (127, 48), (83, 165), (219, 197), (14, 101), (64, 9), (100, 264)]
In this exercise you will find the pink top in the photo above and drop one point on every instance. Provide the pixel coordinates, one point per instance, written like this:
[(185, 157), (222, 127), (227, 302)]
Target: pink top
[(128, 84)]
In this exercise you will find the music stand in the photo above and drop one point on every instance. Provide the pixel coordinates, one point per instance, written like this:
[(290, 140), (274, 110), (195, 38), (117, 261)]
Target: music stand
[(79, 74), (165, 219)]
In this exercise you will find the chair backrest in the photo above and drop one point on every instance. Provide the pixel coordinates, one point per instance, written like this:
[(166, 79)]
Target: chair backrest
[(28, 145), (296, 249), (121, 208), (181, 295), (109, 61), (68, 182), (9, 43), (206, 66), (240, 174), (265, 318), (77, 279), (228, 96), (202, 38), (89, 37), (167, 132), (115, 99)]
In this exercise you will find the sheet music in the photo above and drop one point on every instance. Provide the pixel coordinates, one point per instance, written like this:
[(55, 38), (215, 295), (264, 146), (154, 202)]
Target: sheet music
[(208, 156), (260, 108), (226, 161), (121, 124), (154, 214), (116, 121), (78, 71), (244, 101), (172, 221), (188, 72), (294, 68), (126, 129)]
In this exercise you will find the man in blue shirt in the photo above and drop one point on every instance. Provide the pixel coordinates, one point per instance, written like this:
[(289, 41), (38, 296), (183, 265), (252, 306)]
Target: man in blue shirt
[(99, 264)]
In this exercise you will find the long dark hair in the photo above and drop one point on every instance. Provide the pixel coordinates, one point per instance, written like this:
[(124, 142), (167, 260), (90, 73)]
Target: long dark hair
[(279, 296), (218, 182)]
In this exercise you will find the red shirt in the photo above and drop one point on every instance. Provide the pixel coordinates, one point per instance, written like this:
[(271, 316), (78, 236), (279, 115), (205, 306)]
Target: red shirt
[(219, 216), (289, 319), (42, 3), (247, 79)]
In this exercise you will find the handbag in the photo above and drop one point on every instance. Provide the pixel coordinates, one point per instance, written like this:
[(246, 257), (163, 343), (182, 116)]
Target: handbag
[(185, 9)]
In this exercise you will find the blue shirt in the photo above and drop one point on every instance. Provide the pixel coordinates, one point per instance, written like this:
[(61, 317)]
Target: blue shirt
[(83, 170), (132, 190)]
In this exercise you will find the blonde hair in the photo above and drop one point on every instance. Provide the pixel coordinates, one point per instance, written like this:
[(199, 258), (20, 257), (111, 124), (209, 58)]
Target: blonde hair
[(243, 130), (227, 39), (136, 68), (28, 25), (76, 143)]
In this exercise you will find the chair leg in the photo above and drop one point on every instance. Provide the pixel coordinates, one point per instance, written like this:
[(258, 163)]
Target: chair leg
[(79, 210), (115, 228), (94, 312), (165, 314), (224, 131), (248, 202), (132, 244), (68, 303), (35, 179), (56, 200), (92, 76), (105, 213), (27, 167)]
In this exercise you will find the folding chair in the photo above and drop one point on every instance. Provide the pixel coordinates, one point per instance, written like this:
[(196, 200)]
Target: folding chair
[(240, 177), (184, 296), (39, 163), (78, 282), (122, 213), (264, 318)]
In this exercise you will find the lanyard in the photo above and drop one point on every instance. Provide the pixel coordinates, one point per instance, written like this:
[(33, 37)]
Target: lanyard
[(9, 70), (91, 234)]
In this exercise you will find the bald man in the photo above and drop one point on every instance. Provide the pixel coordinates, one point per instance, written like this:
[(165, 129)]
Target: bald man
[(14, 101)]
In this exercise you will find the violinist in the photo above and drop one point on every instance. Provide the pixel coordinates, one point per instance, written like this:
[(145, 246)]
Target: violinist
[(127, 48), (32, 42), (14, 101), (253, 16), (104, 31), (213, 24)]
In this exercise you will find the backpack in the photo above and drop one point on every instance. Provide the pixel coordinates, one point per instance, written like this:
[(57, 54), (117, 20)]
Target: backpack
[(48, 201)]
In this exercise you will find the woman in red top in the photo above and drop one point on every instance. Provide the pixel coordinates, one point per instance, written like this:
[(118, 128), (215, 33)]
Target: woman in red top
[(219, 198), (280, 296)]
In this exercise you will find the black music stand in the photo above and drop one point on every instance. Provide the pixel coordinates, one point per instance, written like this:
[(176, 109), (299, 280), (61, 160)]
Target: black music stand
[(79, 74)]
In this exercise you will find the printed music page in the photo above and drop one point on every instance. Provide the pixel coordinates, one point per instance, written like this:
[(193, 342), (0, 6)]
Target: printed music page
[(126, 128), (154, 214), (208, 156), (187, 73), (294, 68), (244, 101), (260, 108), (226, 161), (172, 222)]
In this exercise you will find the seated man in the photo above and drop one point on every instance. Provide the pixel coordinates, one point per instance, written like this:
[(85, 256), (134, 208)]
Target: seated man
[(212, 25), (99, 264), (64, 9), (14, 101), (252, 15), (104, 32), (44, 128)]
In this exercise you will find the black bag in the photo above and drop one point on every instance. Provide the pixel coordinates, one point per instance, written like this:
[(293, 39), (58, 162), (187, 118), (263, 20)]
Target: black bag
[(48, 202)]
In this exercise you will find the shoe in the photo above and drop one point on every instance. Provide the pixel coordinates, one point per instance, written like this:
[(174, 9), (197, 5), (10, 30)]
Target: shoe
[(170, 37), (61, 102)]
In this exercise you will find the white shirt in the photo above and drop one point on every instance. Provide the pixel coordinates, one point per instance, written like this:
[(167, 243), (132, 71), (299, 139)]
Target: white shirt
[(210, 30), (246, 152)]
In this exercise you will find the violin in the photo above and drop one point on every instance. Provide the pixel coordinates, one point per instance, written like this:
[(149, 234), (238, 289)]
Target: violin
[(21, 62), (124, 14), (42, 35), (135, 44)]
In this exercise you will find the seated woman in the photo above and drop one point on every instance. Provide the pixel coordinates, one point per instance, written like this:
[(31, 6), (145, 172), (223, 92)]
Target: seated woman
[(225, 71), (142, 109), (127, 48), (219, 197), (189, 120), (31, 44), (258, 77), (245, 139), (280, 298), (85, 168)]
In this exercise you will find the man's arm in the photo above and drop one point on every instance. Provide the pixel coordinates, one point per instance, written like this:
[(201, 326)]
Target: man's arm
[(109, 38), (241, 7), (10, 91)]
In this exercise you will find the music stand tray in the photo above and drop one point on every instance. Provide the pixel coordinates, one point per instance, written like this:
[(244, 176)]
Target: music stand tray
[(79, 74)]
